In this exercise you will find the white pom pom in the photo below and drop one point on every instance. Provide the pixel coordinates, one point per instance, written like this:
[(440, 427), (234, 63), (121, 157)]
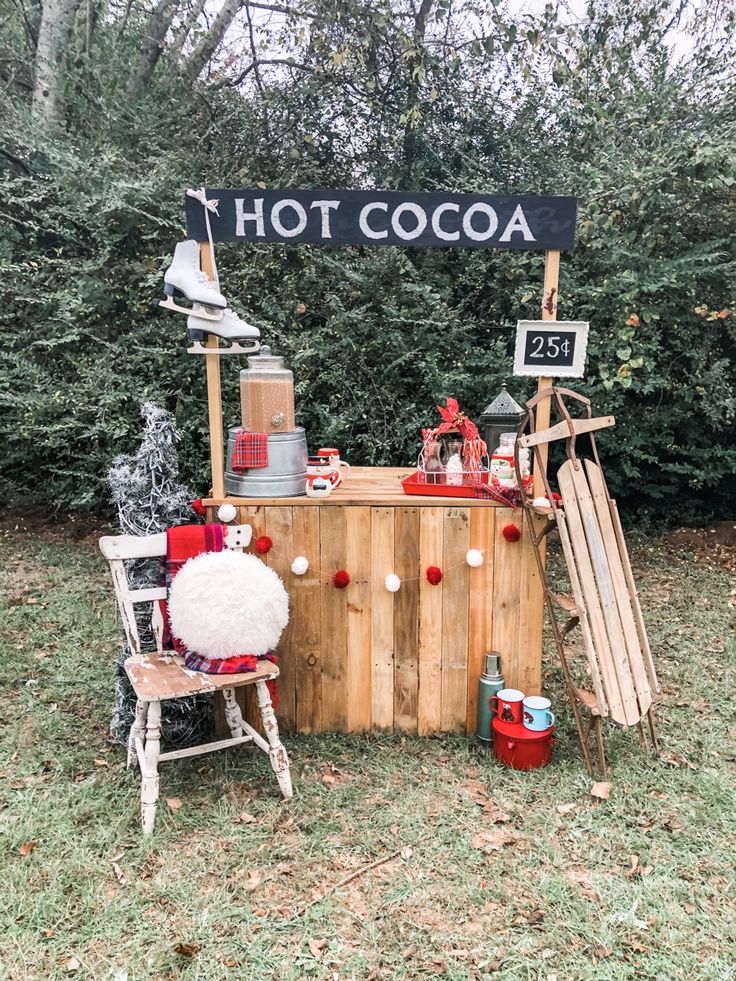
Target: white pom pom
[(540, 502), (474, 558), (300, 565), (392, 583), (227, 512)]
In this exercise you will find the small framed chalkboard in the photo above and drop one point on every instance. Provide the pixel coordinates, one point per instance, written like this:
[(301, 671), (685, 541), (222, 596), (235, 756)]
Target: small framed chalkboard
[(554, 348)]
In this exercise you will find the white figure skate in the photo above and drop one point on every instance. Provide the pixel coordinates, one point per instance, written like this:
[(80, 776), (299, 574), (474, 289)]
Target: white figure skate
[(229, 328), (184, 277)]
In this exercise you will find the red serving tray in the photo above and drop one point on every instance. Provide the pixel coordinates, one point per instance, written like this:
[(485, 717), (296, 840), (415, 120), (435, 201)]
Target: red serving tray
[(412, 485)]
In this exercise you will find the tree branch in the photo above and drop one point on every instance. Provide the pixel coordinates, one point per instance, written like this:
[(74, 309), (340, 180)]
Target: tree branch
[(200, 57)]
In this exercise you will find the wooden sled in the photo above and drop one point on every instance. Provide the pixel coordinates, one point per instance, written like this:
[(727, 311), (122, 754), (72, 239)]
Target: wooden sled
[(604, 601)]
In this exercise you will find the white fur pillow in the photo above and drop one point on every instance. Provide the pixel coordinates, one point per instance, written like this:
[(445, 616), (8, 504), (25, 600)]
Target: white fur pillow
[(226, 603)]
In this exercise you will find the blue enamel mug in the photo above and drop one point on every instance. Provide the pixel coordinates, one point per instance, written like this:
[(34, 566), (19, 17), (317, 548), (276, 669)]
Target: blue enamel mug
[(537, 715)]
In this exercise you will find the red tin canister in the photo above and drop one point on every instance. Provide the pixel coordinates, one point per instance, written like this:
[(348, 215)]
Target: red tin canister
[(519, 747)]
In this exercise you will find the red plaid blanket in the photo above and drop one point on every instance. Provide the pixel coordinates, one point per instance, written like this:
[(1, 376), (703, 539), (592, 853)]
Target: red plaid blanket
[(250, 451), (241, 663), (184, 543)]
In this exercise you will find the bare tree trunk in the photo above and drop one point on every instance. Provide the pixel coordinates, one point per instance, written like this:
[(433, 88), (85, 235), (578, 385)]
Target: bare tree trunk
[(57, 19), (152, 47), (183, 31), (415, 68), (202, 54)]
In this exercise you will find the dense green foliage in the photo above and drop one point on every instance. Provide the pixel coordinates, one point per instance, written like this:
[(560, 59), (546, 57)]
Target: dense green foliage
[(603, 109)]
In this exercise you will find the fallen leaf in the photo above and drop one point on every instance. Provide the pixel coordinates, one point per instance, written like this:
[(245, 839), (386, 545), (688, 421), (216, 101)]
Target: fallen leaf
[(495, 839), (316, 947), (102, 762), (187, 950), (118, 873), (174, 803), (547, 954), (47, 933), (565, 808), (328, 780), (494, 814), (476, 791), (601, 790), (678, 761), (246, 818), (673, 825), (394, 829), (252, 882), (27, 847), (230, 962), (72, 965), (535, 916), (634, 866), (407, 852)]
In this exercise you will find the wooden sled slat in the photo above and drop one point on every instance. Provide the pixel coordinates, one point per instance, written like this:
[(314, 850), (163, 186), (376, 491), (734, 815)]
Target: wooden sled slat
[(635, 694), (562, 430), (637, 657), (621, 697)]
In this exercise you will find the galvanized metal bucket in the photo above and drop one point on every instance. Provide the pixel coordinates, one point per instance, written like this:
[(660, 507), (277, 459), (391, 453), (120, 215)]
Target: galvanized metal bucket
[(285, 475)]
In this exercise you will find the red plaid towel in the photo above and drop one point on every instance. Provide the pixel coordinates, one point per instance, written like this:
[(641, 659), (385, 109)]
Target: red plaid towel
[(250, 451), (184, 543)]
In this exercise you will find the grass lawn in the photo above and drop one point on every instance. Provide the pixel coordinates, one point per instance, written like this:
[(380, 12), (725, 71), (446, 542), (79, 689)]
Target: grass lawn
[(495, 873)]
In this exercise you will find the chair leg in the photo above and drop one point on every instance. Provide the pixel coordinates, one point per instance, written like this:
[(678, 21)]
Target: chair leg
[(137, 731), (233, 715), (149, 782), (277, 753), (653, 731), (601, 749)]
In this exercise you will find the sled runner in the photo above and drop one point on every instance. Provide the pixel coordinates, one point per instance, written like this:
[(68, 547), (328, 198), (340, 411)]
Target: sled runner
[(604, 601)]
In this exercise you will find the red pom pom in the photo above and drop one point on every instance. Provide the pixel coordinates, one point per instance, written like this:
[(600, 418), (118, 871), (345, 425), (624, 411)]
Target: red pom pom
[(555, 497), (434, 575), (511, 533), (263, 545), (198, 507), (341, 579)]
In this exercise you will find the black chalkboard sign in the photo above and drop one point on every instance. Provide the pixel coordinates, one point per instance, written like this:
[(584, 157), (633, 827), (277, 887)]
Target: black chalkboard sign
[(435, 220), (551, 348)]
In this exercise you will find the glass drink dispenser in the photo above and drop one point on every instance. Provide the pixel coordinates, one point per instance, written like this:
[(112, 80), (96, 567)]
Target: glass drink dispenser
[(267, 394)]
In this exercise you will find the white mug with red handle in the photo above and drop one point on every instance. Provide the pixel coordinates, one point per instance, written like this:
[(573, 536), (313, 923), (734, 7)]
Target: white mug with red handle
[(333, 455)]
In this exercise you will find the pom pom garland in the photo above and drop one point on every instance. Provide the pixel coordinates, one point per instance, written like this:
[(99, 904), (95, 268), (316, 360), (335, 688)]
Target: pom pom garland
[(474, 558), (392, 583), (263, 545), (226, 513), (511, 533), (434, 575), (341, 579), (300, 565), (198, 507)]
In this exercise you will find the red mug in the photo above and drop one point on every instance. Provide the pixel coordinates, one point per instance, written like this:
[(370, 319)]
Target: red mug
[(509, 705)]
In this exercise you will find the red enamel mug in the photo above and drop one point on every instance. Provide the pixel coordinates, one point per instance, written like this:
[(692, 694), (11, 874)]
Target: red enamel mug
[(509, 705)]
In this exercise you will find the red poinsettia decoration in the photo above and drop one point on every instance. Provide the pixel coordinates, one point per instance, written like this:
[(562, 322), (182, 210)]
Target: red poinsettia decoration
[(455, 419), (198, 507)]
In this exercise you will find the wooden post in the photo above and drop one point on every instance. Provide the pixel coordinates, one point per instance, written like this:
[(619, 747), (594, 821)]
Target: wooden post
[(214, 394), (549, 312)]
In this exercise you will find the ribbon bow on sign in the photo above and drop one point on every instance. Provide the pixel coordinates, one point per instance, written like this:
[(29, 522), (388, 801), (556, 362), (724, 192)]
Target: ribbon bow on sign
[(455, 419), (199, 194)]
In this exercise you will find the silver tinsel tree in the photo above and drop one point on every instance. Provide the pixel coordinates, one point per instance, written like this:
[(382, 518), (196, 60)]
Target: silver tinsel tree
[(149, 498)]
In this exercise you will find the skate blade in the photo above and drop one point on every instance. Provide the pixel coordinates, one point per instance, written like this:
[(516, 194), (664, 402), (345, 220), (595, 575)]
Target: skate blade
[(235, 348), (203, 312)]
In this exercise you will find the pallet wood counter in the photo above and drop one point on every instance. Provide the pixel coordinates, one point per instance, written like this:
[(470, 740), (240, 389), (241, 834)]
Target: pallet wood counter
[(364, 659)]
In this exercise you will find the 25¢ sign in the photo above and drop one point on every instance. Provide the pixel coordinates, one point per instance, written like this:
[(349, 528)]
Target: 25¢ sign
[(554, 348)]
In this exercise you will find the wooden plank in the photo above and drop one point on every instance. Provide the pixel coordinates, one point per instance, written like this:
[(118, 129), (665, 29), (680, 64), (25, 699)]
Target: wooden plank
[(359, 651), (506, 597), (531, 613), (580, 555), (429, 695), (306, 612), (637, 658), (382, 619), (562, 430), (406, 619), (480, 625), (334, 607), (609, 607), (278, 528), (455, 588), (214, 393)]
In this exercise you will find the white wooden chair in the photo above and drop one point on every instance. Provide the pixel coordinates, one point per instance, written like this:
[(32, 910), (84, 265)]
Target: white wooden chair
[(157, 676)]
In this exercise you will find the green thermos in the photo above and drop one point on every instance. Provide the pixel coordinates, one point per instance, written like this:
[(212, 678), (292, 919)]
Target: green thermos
[(490, 684)]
